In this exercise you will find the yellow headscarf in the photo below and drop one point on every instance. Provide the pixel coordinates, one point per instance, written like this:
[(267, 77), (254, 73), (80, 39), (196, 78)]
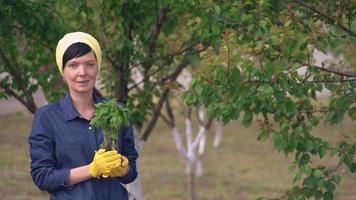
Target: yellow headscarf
[(74, 37)]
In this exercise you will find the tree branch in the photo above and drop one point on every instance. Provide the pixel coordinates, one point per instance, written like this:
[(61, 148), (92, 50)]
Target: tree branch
[(170, 113), (155, 31), (350, 14), (158, 108), (166, 120), (30, 103), (155, 116), (201, 121), (327, 18), (165, 93), (102, 26), (327, 69), (40, 41), (178, 69), (87, 19), (348, 74), (122, 67), (331, 81), (12, 93), (160, 57)]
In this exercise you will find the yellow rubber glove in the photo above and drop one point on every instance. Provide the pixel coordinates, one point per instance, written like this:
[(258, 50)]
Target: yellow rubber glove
[(103, 161), (120, 169)]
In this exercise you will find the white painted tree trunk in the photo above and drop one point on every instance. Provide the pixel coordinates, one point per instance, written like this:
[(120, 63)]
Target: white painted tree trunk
[(218, 133), (199, 167), (192, 152), (134, 188)]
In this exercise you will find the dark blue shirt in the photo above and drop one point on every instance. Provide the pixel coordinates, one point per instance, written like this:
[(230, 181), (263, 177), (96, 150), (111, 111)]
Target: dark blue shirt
[(60, 140)]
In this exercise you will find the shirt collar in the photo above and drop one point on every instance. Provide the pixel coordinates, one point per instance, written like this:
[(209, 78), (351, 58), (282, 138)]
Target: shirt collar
[(69, 110)]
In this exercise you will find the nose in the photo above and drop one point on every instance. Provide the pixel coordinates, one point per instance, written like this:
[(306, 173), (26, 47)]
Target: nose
[(82, 70)]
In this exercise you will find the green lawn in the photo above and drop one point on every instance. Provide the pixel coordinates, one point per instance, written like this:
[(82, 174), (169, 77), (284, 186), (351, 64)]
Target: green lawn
[(240, 168)]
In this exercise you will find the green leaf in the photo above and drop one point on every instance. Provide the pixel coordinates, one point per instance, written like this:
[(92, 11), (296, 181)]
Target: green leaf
[(279, 142), (328, 196), (336, 179), (329, 185), (310, 181), (315, 121), (235, 76), (352, 113), (247, 120), (307, 192), (353, 167), (263, 135), (110, 116), (297, 177), (322, 151), (298, 131), (290, 107), (217, 9), (277, 139), (318, 194), (306, 169), (308, 145), (220, 75), (265, 90), (304, 159), (318, 173)]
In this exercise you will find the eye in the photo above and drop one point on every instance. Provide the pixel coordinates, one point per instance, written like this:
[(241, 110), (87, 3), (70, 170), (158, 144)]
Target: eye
[(72, 65), (91, 64)]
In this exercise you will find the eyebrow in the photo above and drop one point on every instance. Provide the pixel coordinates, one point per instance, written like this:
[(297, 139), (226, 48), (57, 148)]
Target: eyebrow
[(86, 61)]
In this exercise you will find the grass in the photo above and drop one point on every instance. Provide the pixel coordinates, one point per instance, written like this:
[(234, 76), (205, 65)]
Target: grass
[(240, 168)]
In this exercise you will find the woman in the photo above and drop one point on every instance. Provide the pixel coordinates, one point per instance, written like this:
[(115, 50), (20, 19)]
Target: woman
[(65, 160)]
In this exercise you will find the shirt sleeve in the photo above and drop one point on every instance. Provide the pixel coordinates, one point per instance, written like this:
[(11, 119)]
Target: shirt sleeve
[(127, 148), (43, 161)]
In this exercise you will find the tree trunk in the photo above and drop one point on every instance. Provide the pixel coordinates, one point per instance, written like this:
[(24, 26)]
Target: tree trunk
[(192, 179), (134, 188), (201, 150), (218, 133)]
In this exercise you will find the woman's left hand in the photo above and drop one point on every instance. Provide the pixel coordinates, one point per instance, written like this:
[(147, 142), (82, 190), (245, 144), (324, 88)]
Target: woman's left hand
[(120, 169)]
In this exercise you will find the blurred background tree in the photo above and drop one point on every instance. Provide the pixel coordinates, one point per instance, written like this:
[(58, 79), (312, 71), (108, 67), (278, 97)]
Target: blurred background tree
[(244, 55), (267, 70), (146, 45)]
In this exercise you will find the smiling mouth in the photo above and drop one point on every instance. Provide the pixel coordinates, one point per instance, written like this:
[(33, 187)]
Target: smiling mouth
[(82, 81)]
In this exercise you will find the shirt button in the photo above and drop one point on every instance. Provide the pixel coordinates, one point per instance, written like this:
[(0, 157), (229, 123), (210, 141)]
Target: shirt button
[(90, 127)]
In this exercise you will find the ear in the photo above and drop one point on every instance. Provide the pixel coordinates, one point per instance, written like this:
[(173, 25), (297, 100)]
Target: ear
[(64, 79)]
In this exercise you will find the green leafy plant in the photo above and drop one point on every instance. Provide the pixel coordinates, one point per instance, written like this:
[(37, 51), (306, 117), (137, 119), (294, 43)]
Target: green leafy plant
[(110, 116)]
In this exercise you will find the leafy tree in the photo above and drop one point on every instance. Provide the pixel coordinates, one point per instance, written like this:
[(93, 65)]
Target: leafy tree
[(267, 39), (29, 32), (155, 39), (256, 75)]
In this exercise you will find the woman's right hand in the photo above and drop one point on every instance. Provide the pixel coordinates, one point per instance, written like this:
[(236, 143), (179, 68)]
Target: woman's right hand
[(103, 161)]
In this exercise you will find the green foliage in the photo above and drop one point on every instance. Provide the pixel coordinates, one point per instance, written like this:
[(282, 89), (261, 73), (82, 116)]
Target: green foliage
[(29, 32), (147, 37), (256, 73), (110, 116), (254, 49)]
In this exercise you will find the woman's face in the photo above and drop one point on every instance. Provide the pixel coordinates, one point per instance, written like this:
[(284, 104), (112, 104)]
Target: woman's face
[(80, 73)]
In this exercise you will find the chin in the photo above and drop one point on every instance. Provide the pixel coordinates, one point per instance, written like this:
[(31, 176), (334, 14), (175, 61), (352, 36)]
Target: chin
[(83, 90)]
